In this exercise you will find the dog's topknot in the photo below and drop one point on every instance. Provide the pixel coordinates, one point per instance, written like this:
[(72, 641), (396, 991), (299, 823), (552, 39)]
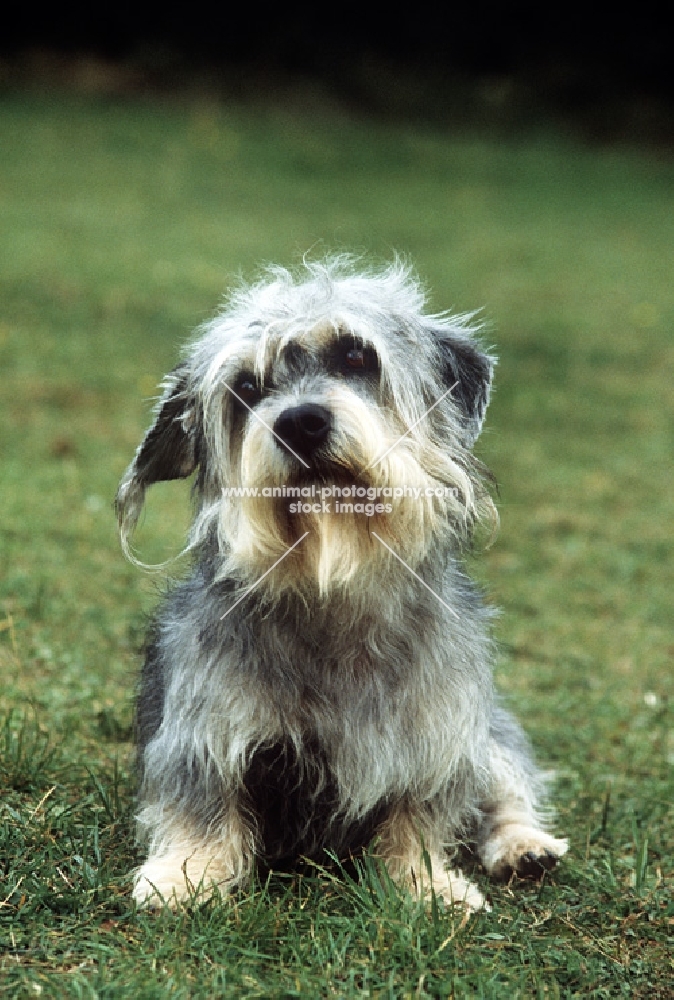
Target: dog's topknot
[(339, 279)]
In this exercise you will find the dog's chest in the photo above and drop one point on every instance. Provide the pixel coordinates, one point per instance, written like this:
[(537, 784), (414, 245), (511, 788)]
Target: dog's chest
[(295, 801)]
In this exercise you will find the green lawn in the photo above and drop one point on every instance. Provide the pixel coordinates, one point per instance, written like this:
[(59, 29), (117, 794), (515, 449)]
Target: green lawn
[(123, 223)]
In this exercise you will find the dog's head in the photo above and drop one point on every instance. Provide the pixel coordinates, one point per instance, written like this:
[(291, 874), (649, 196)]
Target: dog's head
[(344, 413)]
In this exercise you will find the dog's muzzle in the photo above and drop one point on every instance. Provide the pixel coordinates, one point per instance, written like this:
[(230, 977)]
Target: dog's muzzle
[(304, 428)]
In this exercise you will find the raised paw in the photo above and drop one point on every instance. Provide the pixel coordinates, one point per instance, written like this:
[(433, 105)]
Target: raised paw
[(533, 865), (522, 849)]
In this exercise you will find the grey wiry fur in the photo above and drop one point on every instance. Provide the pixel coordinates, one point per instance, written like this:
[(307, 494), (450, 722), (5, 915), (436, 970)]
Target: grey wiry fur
[(318, 698)]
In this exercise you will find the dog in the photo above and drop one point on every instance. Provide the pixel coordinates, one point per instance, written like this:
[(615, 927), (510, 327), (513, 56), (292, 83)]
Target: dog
[(322, 679)]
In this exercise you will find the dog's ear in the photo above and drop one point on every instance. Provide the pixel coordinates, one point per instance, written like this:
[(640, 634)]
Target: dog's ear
[(169, 450), (470, 371)]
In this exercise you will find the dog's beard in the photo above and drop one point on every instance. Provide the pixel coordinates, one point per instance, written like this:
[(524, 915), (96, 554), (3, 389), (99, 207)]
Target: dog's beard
[(350, 546)]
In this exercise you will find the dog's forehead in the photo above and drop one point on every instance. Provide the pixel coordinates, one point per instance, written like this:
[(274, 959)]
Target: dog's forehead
[(311, 338), (296, 348), (321, 334), (299, 344), (314, 339), (302, 349)]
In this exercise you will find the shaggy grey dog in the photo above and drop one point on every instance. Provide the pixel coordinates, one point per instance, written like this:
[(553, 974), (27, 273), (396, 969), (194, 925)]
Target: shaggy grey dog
[(323, 677)]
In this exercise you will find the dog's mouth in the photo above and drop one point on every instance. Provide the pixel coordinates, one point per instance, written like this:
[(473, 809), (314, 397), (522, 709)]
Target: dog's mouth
[(305, 434), (327, 470)]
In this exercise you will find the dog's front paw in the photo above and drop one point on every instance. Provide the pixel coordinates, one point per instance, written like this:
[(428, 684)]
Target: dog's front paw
[(163, 882), (525, 850), (455, 890), (450, 886), (172, 879)]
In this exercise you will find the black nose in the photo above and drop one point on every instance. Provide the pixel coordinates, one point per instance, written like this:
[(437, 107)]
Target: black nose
[(304, 427)]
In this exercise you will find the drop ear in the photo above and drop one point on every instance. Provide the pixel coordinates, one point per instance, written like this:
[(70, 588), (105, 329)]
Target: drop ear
[(469, 370), (169, 450)]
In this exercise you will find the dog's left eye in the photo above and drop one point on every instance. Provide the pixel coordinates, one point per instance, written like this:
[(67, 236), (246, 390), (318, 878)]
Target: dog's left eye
[(361, 359), (355, 358)]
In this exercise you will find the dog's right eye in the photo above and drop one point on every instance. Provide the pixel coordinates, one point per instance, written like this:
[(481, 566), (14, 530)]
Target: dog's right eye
[(247, 389)]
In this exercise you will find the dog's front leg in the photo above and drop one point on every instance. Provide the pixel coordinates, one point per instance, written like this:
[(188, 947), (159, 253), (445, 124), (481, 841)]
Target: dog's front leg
[(511, 836), (185, 864), (411, 844)]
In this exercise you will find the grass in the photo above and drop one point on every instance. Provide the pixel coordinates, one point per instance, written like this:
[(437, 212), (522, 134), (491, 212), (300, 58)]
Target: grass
[(123, 223)]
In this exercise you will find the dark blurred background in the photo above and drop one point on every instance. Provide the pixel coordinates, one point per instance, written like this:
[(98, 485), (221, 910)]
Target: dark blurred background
[(607, 72)]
